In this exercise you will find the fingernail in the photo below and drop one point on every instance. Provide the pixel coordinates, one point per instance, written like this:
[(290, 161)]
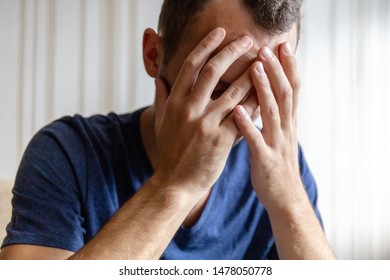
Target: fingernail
[(260, 68), (245, 40), (267, 53), (241, 112), (217, 33), (287, 49)]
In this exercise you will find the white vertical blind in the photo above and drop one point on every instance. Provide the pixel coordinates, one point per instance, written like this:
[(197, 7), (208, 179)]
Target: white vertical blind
[(345, 121), (9, 87), (62, 57)]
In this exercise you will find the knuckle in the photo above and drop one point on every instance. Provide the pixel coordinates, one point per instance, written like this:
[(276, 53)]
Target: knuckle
[(288, 95), (276, 66), (210, 70), (187, 115), (256, 141), (233, 92), (203, 128), (189, 64), (205, 45), (217, 140), (296, 84), (273, 111), (230, 50), (263, 88)]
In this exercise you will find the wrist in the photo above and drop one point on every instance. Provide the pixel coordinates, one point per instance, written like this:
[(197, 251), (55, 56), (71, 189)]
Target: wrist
[(174, 193), (291, 197)]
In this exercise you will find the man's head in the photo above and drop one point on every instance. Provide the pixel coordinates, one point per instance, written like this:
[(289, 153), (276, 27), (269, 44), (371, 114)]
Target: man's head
[(184, 23), (274, 17)]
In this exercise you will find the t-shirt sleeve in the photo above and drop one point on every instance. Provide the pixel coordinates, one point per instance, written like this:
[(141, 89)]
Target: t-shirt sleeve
[(46, 206)]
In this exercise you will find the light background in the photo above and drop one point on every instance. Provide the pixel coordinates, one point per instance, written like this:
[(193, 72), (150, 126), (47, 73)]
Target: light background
[(62, 57)]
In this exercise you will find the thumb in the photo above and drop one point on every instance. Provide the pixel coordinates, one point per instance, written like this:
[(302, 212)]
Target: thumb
[(252, 135)]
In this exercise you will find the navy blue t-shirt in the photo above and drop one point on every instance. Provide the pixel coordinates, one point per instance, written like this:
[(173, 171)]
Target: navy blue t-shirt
[(77, 172)]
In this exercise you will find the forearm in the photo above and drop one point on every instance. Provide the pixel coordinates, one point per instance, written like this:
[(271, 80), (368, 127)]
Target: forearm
[(143, 227), (297, 231)]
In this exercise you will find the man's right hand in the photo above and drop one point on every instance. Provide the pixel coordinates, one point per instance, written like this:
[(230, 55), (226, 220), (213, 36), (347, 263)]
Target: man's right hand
[(195, 133)]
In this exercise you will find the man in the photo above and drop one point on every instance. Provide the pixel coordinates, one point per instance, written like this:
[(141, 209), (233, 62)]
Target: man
[(174, 181)]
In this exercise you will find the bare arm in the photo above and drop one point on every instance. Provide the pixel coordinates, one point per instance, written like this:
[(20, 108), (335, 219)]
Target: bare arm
[(143, 227), (297, 232), (139, 230), (274, 158)]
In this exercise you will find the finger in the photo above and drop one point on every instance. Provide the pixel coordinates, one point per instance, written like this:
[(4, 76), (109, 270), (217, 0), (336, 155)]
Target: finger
[(217, 66), (279, 83), (162, 94), (290, 67), (268, 107), (250, 105), (234, 95), (251, 133), (196, 60)]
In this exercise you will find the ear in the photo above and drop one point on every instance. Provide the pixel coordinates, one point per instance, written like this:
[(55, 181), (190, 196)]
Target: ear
[(152, 52)]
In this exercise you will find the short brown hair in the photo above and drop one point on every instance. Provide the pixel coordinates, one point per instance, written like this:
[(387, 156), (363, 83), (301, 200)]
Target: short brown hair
[(272, 16)]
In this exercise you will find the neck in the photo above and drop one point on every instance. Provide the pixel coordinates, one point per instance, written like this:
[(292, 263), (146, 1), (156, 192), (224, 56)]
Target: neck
[(148, 135)]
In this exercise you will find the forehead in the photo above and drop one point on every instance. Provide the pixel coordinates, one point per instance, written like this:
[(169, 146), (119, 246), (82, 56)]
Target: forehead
[(237, 21)]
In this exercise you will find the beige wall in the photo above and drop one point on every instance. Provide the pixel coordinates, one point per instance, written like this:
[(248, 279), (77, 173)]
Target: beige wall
[(5, 206), (84, 56)]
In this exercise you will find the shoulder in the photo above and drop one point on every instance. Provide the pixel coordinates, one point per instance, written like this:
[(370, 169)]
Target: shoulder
[(96, 125), (65, 148), (57, 176), (77, 132)]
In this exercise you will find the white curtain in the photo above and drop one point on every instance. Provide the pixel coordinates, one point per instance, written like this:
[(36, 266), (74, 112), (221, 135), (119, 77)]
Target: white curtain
[(84, 56), (345, 120)]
